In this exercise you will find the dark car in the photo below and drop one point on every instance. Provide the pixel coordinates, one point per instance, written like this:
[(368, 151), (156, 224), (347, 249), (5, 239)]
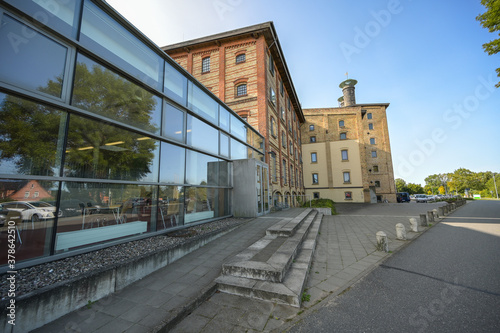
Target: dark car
[(403, 197), (9, 215)]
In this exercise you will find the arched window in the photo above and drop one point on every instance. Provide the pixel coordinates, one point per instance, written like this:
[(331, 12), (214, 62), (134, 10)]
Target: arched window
[(241, 89)]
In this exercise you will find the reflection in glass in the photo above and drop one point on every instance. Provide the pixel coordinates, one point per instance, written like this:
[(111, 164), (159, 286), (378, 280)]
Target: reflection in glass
[(101, 91), (224, 119), (35, 63), (175, 85), (224, 173), (238, 150), (30, 205), (173, 123), (172, 164), (110, 40), (224, 145), (201, 169), (31, 137), (205, 203), (170, 207), (201, 135), (97, 150), (202, 104), (92, 213), (60, 15), (238, 128)]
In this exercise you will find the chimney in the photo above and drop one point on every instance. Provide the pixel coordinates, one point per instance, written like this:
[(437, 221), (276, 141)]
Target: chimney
[(348, 91)]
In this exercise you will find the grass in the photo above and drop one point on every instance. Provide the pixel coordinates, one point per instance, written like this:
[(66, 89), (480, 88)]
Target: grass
[(321, 203)]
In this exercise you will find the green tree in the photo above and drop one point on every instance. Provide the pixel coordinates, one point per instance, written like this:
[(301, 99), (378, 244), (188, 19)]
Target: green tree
[(462, 179), (401, 185), (415, 188), (491, 20)]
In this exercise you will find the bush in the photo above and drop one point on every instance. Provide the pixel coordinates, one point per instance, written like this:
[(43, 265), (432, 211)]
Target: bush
[(321, 203)]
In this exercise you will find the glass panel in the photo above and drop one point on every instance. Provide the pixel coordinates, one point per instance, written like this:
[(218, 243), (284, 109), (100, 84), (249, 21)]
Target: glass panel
[(172, 164), (205, 203), (257, 141), (101, 91), (201, 169), (224, 145), (27, 208), (110, 40), (202, 135), (259, 190), (170, 207), (97, 150), (224, 119), (175, 85), (57, 14), (93, 213), (265, 184), (173, 123), (202, 104), (238, 129), (29, 59), (238, 150), (31, 137)]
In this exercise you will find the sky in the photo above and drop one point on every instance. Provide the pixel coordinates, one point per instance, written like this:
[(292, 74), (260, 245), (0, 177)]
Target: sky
[(424, 57)]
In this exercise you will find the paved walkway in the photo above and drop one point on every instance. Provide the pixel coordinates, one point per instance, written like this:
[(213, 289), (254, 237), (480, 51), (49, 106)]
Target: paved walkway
[(345, 252)]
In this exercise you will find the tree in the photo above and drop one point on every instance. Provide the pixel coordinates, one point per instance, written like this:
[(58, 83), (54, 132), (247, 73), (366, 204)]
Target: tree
[(401, 185), (415, 188), (436, 181), (491, 20)]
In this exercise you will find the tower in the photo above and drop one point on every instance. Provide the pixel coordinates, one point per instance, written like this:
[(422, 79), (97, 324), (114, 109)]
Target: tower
[(348, 91)]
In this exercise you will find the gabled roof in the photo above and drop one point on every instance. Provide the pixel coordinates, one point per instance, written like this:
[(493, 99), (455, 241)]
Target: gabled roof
[(268, 30)]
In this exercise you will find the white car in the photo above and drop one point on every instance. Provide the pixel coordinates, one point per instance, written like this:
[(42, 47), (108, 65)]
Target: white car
[(30, 212), (421, 198), (431, 198)]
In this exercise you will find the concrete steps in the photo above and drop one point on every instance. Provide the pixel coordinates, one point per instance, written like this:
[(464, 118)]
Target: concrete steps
[(275, 268)]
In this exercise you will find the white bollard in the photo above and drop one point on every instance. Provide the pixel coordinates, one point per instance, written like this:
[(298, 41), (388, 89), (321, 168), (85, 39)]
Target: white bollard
[(413, 224), (400, 231), (382, 244)]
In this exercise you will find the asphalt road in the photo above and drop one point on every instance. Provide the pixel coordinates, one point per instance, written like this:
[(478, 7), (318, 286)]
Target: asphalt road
[(447, 280)]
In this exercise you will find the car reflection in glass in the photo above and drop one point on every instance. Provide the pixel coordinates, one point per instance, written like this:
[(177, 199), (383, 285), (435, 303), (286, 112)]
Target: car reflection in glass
[(30, 212)]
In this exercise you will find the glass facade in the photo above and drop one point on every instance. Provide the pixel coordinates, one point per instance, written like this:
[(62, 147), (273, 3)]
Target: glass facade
[(103, 137)]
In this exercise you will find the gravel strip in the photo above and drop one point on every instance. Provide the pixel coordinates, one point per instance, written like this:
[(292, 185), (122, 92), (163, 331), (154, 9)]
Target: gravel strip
[(36, 277)]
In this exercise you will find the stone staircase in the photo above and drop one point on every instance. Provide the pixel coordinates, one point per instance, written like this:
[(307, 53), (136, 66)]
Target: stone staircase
[(275, 268)]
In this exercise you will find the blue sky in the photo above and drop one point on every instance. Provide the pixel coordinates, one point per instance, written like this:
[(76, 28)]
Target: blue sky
[(423, 57)]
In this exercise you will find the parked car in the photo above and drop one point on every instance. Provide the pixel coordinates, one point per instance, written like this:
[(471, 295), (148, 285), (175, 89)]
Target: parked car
[(45, 205), (403, 197), (9, 215), (421, 198), (431, 198), (28, 211)]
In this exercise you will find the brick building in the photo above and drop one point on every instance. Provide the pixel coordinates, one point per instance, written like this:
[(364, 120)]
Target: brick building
[(247, 70), (347, 152)]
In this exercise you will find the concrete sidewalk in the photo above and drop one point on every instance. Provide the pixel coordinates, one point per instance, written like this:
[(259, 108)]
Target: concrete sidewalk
[(182, 297)]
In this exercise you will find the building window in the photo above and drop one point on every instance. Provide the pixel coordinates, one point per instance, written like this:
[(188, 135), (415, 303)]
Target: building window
[(36, 195), (282, 113), (345, 156), (347, 177), (348, 195), (343, 136), (369, 116), (288, 103), (377, 183), (370, 126), (205, 65), (271, 64), (284, 171), (291, 148), (27, 194), (273, 128), (283, 139), (282, 89), (274, 167), (374, 153), (372, 141), (241, 58), (312, 139), (316, 195), (375, 168), (272, 95), (241, 90), (314, 158), (315, 178), (341, 123), (311, 127)]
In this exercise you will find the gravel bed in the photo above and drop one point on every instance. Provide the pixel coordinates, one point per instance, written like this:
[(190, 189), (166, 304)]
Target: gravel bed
[(36, 277)]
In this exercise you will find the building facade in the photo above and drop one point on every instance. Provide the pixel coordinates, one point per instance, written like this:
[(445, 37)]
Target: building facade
[(347, 153), (116, 139), (246, 69)]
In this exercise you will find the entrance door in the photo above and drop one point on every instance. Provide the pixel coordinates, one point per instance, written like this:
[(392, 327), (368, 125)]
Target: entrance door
[(262, 189), (373, 195)]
